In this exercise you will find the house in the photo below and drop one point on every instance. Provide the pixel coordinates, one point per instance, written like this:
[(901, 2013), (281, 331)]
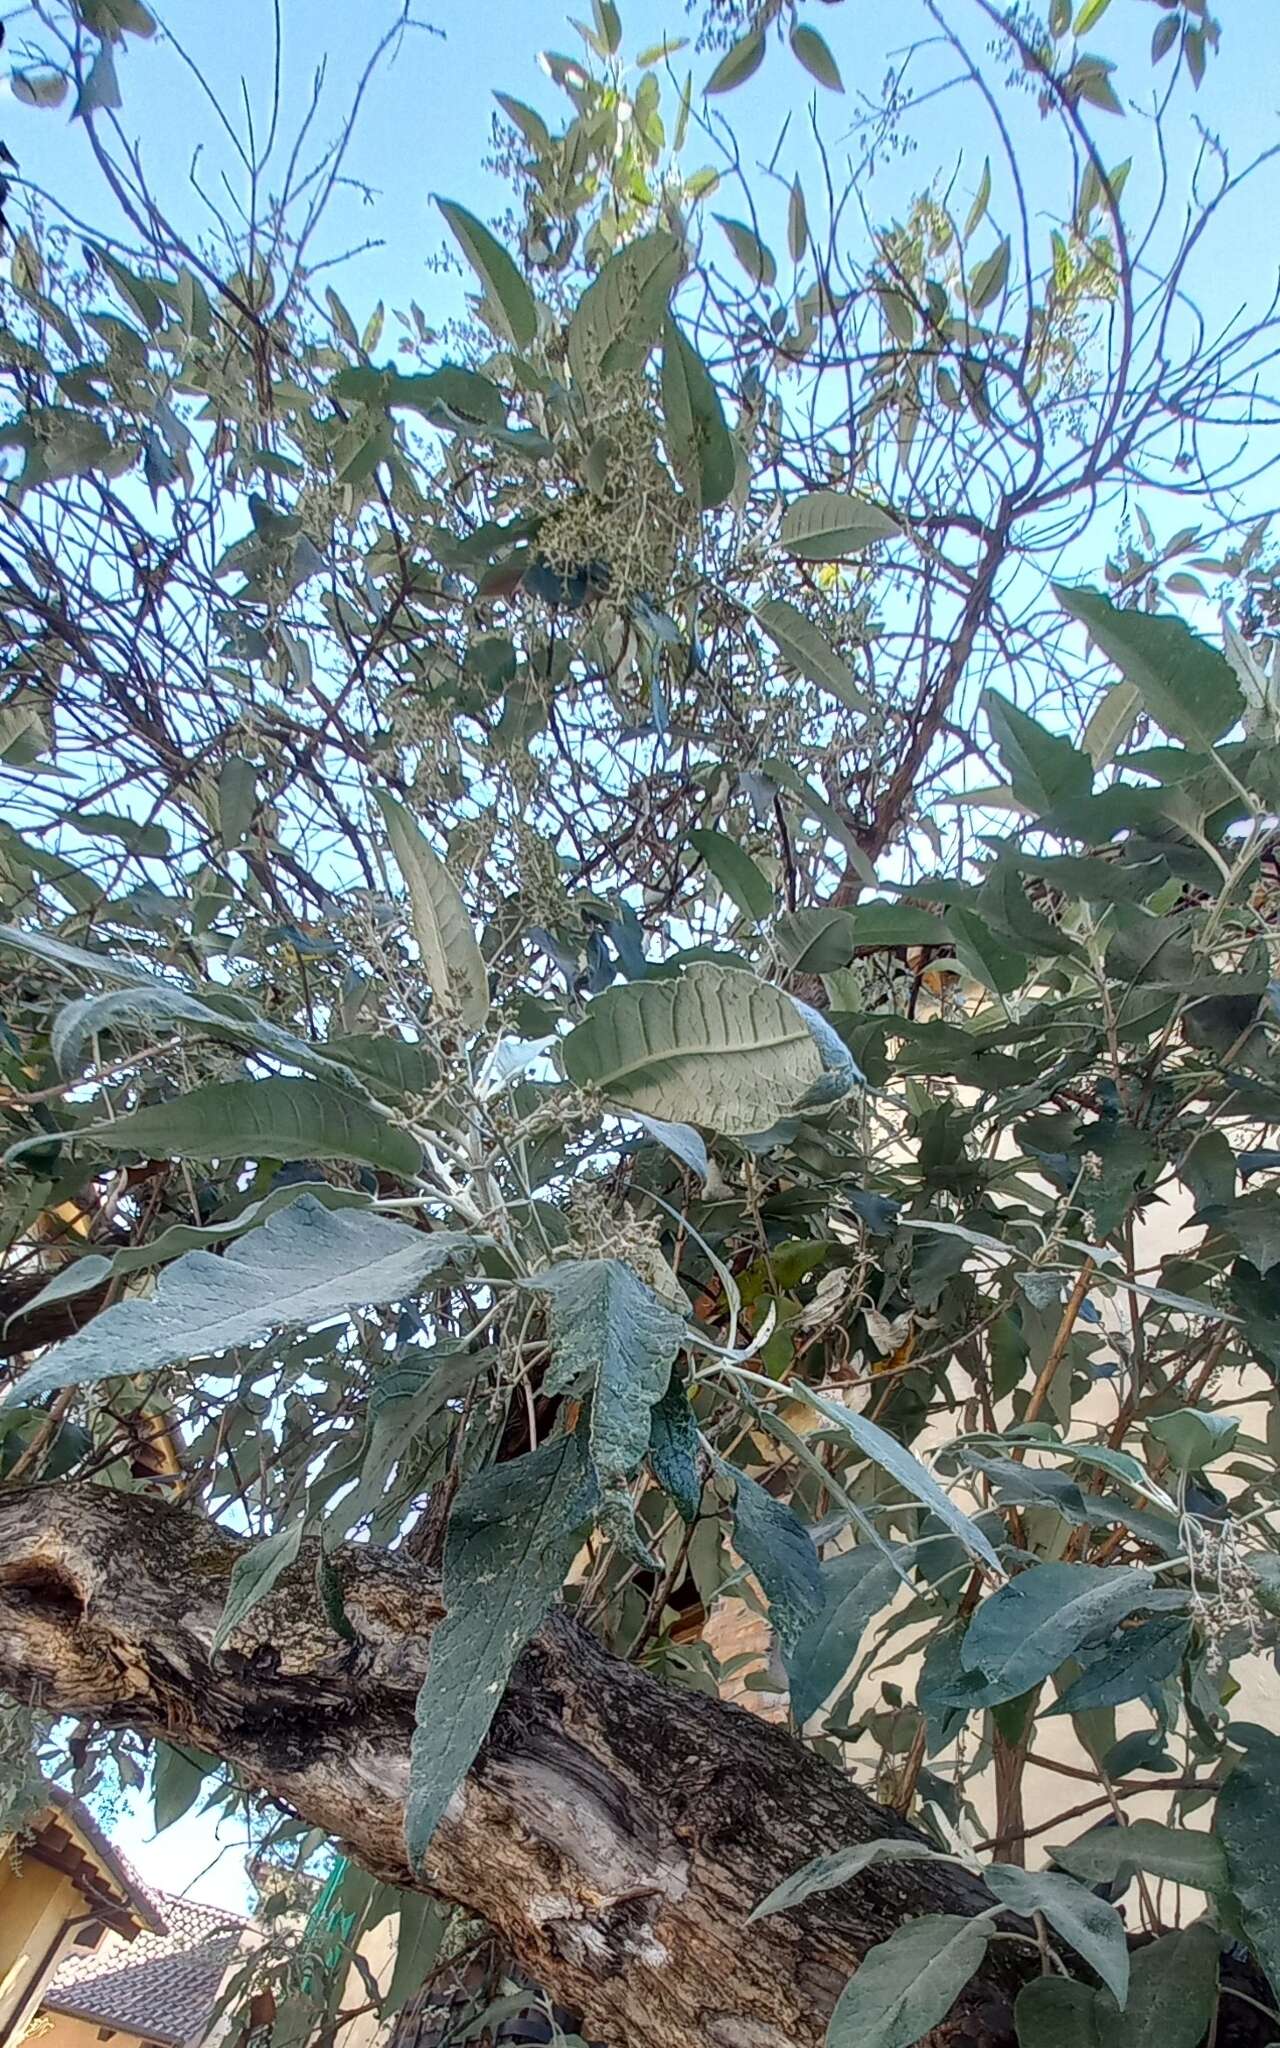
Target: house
[(89, 1955), (157, 1991), (62, 1888)]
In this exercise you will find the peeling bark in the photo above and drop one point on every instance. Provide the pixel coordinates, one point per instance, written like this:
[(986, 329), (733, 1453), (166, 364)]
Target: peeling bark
[(614, 1831)]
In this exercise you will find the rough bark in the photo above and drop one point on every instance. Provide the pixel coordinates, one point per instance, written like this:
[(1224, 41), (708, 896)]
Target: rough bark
[(614, 1831)]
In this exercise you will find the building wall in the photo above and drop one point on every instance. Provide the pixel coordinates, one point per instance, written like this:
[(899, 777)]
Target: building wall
[(62, 2030), (35, 1904)]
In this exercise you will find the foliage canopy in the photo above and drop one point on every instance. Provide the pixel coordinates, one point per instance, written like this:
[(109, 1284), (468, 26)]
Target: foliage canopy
[(647, 923)]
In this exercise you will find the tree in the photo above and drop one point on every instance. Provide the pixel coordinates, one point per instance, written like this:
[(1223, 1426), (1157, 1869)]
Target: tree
[(616, 947)]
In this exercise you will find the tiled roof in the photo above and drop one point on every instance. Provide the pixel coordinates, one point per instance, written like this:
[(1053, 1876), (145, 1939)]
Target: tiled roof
[(162, 1986), (75, 1816)]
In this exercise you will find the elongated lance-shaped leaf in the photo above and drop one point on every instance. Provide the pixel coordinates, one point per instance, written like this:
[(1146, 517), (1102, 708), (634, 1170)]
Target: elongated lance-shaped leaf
[(254, 1574), (160, 1007), (1248, 1824), (903, 1465), (799, 641), (305, 1265), (274, 1119), (450, 949), (611, 1336), (698, 440), (714, 1047), (1186, 685), (770, 1538), (513, 1534), (508, 294)]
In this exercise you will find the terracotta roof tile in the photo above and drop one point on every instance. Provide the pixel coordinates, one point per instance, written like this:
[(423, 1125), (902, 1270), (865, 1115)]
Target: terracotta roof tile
[(162, 1986)]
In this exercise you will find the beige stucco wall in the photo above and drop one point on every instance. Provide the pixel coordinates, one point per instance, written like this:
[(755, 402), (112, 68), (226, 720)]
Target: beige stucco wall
[(62, 2030), (35, 1904)]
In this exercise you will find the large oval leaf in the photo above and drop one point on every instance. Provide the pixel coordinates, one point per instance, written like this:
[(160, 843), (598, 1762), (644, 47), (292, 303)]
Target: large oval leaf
[(714, 1047), (619, 316), (905, 1985), (825, 526), (450, 950), (1187, 686), (1028, 1628), (303, 1266)]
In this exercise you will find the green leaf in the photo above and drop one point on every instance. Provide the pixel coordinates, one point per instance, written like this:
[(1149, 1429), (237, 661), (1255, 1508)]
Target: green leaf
[(826, 526), (424, 1922), (305, 1265), (513, 1533), (673, 1449), (450, 951), (1172, 1992), (736, 873), (508, 294), (797, 223), (814, 941), (750, 251), (855, 1585), (774, 1543), (253, 1575), (620, 315), (985, 953), (74, 959), (1054, 2012), (805, 648), (1173, 1989), (981, 200), (988, 279), (101, 88), (1141, 1659), (237, 800), (1110, 723), (903, 1465), (825, 1873), (1194, 1436), (811, 49), (698, 440), (255, 1120), (713, 1047), (176, 1778), (1182, 1855), (609, 24), (739, 62), (163, 1005), (1187, 686), (1248, 1827), (905, 1985), (1044, 769), (1093, 1928), (612, 1336), (1022, 1632)]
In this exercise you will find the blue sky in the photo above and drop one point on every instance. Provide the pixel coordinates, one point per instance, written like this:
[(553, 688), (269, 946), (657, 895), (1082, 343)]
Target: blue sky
[(425, 129)]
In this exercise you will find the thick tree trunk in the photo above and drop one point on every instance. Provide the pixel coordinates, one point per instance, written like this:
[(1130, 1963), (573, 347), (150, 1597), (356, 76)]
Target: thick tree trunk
[(614, 1831)]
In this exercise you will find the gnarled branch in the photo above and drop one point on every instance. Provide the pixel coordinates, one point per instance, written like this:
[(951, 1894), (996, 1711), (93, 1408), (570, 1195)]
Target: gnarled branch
[(616, 1832)]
